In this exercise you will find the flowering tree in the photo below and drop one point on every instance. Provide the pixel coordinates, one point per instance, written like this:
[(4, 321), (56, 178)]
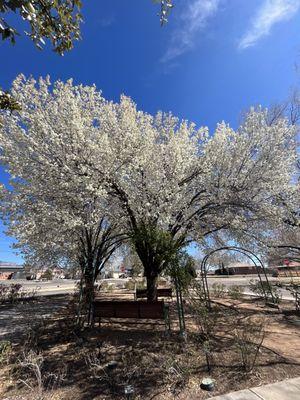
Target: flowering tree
[(54, 215), (167, 182), (62, 230), (285, 242), (175, 184)]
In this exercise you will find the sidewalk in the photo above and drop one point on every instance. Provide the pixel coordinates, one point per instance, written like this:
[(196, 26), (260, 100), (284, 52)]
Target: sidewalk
[(285, 390)]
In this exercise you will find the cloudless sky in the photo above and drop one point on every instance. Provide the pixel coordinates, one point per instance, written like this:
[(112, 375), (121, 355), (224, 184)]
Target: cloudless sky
[(213, 60)]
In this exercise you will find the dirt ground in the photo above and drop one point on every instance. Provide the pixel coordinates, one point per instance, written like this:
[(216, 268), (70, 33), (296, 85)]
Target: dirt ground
[(99, 363)]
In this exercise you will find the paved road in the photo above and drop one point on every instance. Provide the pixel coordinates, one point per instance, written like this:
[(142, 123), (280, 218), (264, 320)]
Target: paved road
[(53, 287), (58, 286), (244, 281), (61, 286)]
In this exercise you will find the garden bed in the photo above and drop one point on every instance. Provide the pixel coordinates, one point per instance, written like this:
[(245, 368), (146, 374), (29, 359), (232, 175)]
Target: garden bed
[(98, 364)]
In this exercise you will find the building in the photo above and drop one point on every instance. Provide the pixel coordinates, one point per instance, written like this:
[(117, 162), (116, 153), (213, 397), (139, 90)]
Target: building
[(238, 269), (7, 270), (284, 267), (50, 273)]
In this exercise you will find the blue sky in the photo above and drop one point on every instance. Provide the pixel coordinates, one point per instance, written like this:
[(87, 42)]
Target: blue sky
[(213, 60)]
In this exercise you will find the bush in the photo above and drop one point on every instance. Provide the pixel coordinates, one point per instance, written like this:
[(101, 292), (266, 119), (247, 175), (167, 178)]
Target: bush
[(235, 292), (262, 288), (3, 293), (15, 292), (218, 289), (294, 289), (5, 350), (47, 275), (207, 320), (248, 340), (35, 377), (11, 293)]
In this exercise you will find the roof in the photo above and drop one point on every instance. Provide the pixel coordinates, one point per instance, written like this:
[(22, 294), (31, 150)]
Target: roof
[(9, 265), (240, 265)]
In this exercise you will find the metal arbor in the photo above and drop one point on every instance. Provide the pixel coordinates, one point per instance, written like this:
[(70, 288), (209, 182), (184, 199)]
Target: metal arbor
[(253, 257)]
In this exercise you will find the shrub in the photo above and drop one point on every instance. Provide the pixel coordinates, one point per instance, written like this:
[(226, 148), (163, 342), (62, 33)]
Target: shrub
[(248, 340), (177, 374), (11, 293), (218, 289), (5, 350), (294, 289), (15, 292), (235, 292), (3, 293), (34, 376), (263, 288), (47, 275), (205, 318), (31, 366)]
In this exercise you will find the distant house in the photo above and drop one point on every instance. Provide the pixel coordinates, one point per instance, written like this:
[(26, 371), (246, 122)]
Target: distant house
[(55, 272), (284, 267), (7, 270), (238, 269)]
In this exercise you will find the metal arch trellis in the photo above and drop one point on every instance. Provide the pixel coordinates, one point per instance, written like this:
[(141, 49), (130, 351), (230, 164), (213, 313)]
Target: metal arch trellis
[(247, 253)]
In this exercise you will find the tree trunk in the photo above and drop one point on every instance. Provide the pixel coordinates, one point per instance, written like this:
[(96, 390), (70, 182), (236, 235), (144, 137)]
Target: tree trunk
[(89, 291), (151, 287), (86, 294)]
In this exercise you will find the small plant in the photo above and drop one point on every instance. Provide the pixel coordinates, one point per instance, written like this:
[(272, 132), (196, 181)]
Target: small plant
[(218, 290), (31, 367), (96, 364), (34, 376), (207, 349), (178, 373), (5, 350), (248, 340), (206, 319), (235, 292)]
